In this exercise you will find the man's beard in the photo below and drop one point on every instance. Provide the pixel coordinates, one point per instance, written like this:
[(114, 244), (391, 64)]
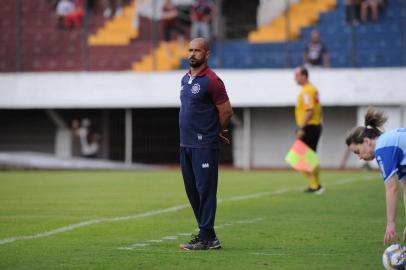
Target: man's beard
[(194, 63)]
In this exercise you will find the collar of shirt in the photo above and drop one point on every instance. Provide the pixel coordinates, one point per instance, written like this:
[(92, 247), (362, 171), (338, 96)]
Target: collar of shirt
[(203, 72)]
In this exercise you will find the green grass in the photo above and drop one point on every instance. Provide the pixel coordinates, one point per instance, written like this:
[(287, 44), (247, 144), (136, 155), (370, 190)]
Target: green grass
[(340, 229)]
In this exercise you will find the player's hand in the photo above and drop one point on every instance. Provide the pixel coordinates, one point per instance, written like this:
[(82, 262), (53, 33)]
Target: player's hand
[(299, 133), (390, 234), (223, 137)]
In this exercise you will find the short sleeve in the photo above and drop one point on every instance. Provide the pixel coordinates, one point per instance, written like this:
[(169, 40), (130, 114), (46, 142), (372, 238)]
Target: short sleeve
[(217, 91), (388, 159), (308, 99)]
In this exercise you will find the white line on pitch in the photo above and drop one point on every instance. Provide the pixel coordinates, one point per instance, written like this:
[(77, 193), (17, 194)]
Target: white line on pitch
[(142, 245), (75, 226)]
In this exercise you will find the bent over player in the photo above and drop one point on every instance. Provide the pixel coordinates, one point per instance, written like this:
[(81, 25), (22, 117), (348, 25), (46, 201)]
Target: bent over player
[(389, 150)]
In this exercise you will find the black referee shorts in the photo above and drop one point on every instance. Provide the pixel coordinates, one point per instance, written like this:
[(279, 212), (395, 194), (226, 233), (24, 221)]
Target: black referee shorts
[(311, 136)]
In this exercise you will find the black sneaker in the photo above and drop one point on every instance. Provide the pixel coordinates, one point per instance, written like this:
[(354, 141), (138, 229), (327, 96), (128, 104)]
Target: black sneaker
[(214, 244), (316, 191), (195, 244), (199, 245)]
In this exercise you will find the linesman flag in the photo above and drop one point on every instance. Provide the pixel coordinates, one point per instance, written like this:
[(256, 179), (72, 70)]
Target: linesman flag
[(301, 157)]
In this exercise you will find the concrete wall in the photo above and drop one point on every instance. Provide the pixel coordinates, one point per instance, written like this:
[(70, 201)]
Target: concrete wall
[(264, 125), (273, 132)]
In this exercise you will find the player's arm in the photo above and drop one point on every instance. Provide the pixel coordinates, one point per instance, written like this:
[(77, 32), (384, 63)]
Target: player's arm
[(404, 203), (225, 113), (300, 131), (308, 115), (391, 194)]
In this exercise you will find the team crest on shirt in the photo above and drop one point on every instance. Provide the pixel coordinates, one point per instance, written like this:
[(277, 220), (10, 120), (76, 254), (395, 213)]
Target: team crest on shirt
[(195, 88)]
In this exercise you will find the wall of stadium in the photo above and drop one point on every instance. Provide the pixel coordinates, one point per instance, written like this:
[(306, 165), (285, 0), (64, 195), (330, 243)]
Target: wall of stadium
[(263, 126)]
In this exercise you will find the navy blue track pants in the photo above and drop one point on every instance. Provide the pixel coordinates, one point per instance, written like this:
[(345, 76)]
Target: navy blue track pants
[(200, 175)]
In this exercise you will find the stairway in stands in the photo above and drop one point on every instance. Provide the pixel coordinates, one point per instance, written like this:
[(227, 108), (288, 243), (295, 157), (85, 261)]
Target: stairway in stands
[(371, 44), (44, 47), (162, 59), (117, 31), (114, 46), (289, 24)]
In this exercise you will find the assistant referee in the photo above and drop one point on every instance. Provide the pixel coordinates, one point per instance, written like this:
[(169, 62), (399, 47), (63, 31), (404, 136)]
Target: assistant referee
[(308, 121)]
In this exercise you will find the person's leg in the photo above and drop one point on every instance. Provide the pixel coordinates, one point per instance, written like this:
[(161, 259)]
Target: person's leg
[(364, 11), (205, 167), (205, 30), (311, 139), (349, 16), (189, 180), (167, 39), (194, 30), (315, 177), (374, 9), (311, 183), (118, 8), (108, 9), (180, 36)]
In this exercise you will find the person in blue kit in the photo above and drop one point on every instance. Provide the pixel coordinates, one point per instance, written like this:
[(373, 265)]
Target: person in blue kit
[(389, 150), (204, 115)]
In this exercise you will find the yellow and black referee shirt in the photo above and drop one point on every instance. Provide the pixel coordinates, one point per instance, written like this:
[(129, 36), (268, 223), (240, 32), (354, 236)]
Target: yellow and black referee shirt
[(308, 99)]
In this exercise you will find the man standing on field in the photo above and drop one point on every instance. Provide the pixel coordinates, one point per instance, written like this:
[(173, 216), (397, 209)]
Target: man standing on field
[(308, 122), (204, 115)]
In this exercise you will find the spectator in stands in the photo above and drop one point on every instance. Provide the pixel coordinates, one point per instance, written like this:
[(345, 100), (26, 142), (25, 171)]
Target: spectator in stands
[(373, 5), (171, 24), (315, 53), (89, 141), (63, 8), (74, 18), (201, 14), (70, 13), (112, 7), (352, 11)]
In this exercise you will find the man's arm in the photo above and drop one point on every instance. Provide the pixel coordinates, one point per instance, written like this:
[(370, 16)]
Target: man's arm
[(300, 130), (225, 113)]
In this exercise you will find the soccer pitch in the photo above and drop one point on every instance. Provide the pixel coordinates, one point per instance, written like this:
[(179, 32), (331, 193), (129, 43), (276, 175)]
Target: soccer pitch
[(136, 220)]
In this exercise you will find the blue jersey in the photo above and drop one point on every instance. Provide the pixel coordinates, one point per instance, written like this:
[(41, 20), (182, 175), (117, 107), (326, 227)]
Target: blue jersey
[(198, 116), (390, 153)]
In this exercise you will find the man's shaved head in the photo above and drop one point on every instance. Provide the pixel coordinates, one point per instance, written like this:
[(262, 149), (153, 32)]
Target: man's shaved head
[(204, 43)]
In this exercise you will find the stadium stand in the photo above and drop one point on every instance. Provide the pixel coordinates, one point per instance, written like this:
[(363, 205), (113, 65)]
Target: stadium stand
[(373, 44), (38, 45), (35, 43), (287, 26)]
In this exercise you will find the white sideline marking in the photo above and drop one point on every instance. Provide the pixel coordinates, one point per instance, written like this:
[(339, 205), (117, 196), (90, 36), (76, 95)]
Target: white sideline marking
[(154, 241), (170, 238), (75, 226), (183, 234), (284, 254), (142, 245), (268, 254)]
